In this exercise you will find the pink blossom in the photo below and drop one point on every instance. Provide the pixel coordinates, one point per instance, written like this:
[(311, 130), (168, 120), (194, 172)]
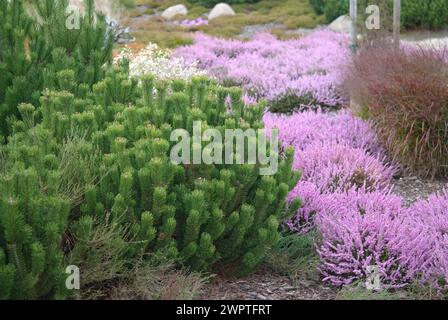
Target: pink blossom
[(366, 230), (268, 67), (430, 217), (302, 129)]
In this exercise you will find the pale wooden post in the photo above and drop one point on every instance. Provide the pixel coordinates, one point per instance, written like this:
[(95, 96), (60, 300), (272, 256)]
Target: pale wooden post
[(397, 17), (354, 40), (354, 18)]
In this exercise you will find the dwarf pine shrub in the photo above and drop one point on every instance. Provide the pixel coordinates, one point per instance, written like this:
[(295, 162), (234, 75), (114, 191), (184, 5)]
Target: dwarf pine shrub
[(36, 44), (208, 217)]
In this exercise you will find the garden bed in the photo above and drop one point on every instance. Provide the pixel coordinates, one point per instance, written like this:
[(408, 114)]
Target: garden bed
[(281, 17), (357, 206)]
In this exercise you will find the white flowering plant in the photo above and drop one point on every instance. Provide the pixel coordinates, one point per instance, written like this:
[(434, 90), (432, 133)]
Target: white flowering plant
[(159, 63)]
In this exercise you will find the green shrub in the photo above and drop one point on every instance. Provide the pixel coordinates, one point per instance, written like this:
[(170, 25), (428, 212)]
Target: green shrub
[(335, 8), (412, 12), (431, 14), (318, 6), (86, 178), (290, 102), (207, 217), (129, 4), (42, 180), (31, 224), (425, 13), (438, 14), (33, 49), (223, 216)]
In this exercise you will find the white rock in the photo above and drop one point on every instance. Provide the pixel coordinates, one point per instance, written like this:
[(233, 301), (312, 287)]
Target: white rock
[(221, 10), (173, 11), (342, 24)]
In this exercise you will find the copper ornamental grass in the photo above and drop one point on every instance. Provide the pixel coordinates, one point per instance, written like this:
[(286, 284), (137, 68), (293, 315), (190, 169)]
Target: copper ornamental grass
[(405, 93)]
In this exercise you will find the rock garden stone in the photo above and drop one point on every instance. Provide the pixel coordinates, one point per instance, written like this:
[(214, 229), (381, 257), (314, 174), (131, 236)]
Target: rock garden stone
[(342, 24), (221, 10), (173, 11)]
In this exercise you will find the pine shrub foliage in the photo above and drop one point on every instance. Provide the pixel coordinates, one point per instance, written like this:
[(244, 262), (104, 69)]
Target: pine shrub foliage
[(87, 146), (220, 218), (35, 47)]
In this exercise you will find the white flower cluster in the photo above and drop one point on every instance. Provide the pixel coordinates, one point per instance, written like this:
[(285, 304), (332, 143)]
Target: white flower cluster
[(159, 63)]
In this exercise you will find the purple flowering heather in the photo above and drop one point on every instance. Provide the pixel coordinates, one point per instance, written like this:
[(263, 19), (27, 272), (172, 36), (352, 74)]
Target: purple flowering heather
[(270, 68), (363, 230), (335, 167), (431, 218), (329, 168), (345, 187), (313, 201), (302, 129), (335, 151), (187, 23)]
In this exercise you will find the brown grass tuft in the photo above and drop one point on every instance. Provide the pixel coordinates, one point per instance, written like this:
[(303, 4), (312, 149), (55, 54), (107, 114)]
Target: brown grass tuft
[(405, 92)]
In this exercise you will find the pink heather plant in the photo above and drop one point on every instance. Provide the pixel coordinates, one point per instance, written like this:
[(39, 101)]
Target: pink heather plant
[(302, 129), (360, 230), (269, 68), (313, 201), (187, 23), (335, 167), (329, 168), (431, 218), (335, 151), (345, 188)]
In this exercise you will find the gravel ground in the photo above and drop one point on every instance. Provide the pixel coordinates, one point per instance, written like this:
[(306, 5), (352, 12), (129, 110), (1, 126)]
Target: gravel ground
[(265, 285), (412, 188)]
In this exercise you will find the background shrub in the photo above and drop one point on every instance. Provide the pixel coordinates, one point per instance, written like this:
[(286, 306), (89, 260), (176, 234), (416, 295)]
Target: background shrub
[(318, 5), (335, 8), (431, 14), (290, 102), (425, 13), (409, 109)]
